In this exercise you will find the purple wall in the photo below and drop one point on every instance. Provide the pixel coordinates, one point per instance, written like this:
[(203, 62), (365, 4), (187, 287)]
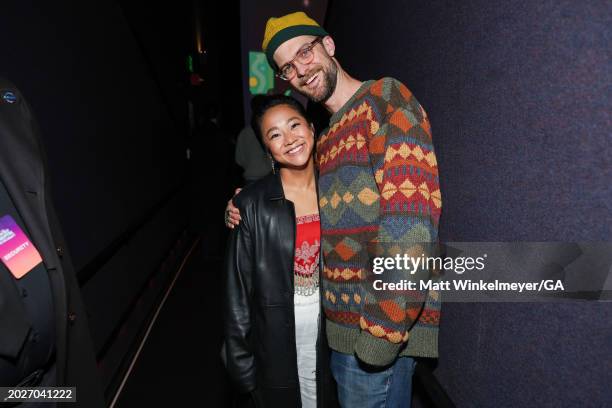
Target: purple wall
[(518, 94)]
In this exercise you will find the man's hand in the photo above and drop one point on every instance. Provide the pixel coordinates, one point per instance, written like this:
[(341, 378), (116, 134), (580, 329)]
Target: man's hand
[(232, 214)]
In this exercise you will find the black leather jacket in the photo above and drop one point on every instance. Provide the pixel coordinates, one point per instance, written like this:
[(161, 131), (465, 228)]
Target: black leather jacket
[(259, 320)]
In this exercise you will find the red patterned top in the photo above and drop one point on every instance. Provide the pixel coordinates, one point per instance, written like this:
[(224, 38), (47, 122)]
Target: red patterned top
[(306, 261)]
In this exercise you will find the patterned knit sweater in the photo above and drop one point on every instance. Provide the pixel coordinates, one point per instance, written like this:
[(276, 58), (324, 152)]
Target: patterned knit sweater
[(379, 196)]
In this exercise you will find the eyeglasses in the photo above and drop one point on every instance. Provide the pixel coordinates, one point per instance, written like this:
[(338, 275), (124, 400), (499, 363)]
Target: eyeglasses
[(303, 56)]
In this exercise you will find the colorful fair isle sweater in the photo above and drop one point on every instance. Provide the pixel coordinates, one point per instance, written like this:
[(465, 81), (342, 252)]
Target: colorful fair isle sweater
[(379, 196)]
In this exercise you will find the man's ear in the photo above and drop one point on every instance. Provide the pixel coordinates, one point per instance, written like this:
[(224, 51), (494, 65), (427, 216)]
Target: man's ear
[(329, 45)]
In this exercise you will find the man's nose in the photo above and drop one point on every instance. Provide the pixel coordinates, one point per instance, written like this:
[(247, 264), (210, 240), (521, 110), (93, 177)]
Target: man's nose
[(300, 69)]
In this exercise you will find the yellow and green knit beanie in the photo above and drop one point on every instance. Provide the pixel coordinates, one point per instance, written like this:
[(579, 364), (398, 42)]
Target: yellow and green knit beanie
[(281, 29)]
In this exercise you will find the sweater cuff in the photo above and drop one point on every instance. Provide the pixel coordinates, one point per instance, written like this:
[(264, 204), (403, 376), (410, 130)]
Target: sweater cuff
[(374, 351)]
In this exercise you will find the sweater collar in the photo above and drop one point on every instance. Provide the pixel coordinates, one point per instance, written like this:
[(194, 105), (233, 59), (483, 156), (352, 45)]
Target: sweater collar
[(338, 115)]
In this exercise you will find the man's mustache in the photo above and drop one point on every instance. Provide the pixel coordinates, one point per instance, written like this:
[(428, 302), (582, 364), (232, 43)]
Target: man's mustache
[(310, 74)]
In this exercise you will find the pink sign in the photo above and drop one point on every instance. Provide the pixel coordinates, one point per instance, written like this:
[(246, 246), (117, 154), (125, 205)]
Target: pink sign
[(16, 251)]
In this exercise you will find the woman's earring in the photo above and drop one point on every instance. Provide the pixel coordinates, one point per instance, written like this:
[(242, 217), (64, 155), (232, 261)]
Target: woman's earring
[(272, 162)]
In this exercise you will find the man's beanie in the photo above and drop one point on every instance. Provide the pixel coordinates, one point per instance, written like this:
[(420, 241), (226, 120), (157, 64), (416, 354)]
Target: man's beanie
[(281, 29)]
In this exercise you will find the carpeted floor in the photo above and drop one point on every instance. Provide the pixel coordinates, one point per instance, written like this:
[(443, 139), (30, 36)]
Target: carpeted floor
[(179, 364)]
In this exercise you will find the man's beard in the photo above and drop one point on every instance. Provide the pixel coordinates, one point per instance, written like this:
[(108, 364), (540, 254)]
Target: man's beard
[(328, 78)]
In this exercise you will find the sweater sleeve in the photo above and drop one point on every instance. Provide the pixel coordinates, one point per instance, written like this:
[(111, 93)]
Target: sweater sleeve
[(405, 168)]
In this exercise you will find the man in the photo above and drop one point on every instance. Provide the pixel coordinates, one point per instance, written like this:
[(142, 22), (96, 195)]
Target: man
[(379, 197), (44, 337)]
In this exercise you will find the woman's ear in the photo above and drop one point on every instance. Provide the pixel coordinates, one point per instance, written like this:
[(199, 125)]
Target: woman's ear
[(329, 45)]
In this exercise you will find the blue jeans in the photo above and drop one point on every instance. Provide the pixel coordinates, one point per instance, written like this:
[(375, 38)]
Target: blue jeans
[(361, 386)]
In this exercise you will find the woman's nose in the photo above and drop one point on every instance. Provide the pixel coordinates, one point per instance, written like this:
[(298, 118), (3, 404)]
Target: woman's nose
[(291, 138)]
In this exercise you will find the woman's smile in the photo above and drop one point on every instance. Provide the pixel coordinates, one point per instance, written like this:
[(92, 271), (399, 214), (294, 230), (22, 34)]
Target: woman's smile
[(296, 150)]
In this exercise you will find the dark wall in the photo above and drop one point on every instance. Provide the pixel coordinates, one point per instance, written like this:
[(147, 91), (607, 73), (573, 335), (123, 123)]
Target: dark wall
[(512, 88), (164, 34), (517, 93), (221, 40), (116, 152), (113, 150)]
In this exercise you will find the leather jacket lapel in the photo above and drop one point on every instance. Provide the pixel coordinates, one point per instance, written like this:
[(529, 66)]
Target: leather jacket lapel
[(286, 234)]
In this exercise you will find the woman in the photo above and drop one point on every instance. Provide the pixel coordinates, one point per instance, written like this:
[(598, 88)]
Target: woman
[(275, 347)]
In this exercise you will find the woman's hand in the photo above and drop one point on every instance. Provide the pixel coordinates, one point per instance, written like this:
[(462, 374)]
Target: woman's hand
[(232, 214)]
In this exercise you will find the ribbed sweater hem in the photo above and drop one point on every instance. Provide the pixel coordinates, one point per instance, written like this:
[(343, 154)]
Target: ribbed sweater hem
[(423, 341)]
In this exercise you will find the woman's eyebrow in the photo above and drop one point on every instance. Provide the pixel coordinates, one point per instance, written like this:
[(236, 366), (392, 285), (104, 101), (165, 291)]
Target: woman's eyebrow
[(271, 129)]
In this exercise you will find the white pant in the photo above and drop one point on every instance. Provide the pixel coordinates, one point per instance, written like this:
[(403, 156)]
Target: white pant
[(306, 329)]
